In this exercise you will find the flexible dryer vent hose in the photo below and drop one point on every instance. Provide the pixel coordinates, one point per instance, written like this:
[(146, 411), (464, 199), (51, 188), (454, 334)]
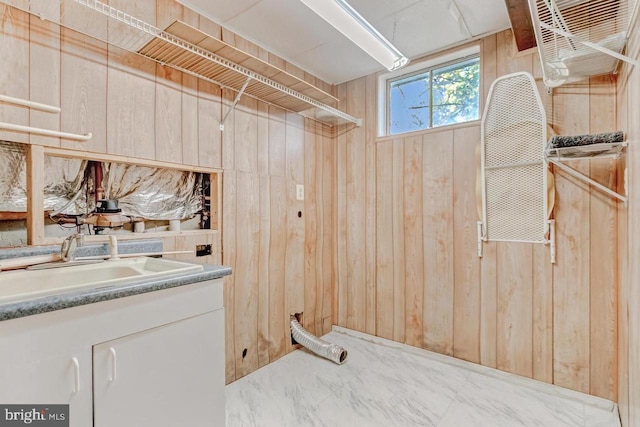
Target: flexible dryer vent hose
[(333, 352)]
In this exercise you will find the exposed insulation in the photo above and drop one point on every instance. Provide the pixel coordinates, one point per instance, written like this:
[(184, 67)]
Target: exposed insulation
[(149, 193)]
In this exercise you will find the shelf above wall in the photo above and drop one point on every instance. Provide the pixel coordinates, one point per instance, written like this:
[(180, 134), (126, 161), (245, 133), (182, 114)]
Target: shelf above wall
[(189, 50)]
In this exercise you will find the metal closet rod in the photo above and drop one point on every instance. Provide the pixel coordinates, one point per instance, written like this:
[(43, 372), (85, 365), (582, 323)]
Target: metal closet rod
[(45, 132), (30, 104)]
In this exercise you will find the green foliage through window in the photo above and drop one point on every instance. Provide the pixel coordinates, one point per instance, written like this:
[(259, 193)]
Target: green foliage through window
[(434, 97)]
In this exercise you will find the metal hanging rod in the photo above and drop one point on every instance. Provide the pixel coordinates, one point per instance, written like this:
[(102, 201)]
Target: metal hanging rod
[(45, 132), (30, 104)]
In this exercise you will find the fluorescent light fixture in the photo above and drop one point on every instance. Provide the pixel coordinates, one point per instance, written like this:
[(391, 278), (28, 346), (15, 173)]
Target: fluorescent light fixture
[(345, 19)]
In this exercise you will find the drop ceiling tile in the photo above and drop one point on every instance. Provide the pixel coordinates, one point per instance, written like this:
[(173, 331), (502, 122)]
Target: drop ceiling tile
[(286, 27), (375, 10), (483, 17), (219, 11), (337, 61), (422, 28)]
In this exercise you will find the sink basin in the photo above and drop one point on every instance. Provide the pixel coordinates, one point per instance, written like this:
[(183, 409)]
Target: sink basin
[(21, 285)]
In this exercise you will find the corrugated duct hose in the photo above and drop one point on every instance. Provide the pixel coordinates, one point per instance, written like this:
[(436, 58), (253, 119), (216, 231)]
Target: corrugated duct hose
[(333, 352)]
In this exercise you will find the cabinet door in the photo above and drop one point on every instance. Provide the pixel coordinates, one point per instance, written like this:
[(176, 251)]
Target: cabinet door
[(164, 377), (54, 380)]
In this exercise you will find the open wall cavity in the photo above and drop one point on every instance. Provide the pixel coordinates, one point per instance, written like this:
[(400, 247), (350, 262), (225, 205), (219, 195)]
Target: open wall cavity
[(98, 196)]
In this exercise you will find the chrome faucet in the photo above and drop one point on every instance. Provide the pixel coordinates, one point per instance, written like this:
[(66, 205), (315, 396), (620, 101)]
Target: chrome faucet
[(69, 246)]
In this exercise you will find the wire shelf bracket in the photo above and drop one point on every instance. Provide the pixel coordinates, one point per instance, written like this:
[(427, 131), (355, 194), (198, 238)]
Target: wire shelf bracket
[(235, 102)]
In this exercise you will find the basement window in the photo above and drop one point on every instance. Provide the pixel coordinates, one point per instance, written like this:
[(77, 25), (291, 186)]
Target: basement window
[(438, 92)]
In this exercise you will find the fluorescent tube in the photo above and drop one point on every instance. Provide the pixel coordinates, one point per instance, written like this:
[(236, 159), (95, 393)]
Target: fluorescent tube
[(349, 22)]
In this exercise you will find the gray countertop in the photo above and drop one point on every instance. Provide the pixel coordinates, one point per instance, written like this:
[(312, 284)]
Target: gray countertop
[(14, 310)]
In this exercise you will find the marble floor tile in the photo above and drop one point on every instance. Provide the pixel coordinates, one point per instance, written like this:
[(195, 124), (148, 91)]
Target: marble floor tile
[(595, 417), (389, 384), (485, 401)]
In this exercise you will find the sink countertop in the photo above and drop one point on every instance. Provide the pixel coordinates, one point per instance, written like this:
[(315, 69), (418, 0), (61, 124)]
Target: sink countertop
[(73, 298)]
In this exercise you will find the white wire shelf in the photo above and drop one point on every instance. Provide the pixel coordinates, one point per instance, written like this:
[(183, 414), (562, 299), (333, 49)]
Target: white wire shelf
[(581, 38), (191, 51), (590, 151), (560, 156)]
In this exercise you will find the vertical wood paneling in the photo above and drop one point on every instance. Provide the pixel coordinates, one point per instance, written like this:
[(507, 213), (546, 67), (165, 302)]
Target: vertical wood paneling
[(604, 249), (399, 289), (167, 12), (263, 317), (278, 321), (384, 241), (370, 115), (571, 282), (509, 60), (130, 105), (514, 308), (190, 125), (631, 294), (228, 135), (542, 314), (84, 89), (328, 186), (340, 292), (355, 197), (626, 80), (14, 51), (311, 233), (466, 324), (246, 135), (413, 241), (44, 78), (229, 210), (489, 305), (437, 208), (262, 149), (210, 138), (295, 257), (277, 146), (246, 277), (168, 115), (131, 91), (489, 65)]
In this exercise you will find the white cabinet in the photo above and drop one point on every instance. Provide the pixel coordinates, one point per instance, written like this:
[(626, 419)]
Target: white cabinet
[(58, 379), (149, 360), (164, 377)]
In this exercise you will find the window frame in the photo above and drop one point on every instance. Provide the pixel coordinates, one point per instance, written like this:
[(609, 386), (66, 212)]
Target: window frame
[(422, 67)]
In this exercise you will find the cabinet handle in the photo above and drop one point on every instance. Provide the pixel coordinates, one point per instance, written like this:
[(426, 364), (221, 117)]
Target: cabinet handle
[(76, 369), (114, 366)]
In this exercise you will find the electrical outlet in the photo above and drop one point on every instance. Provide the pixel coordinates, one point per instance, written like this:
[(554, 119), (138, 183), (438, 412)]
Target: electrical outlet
[(299, 192)]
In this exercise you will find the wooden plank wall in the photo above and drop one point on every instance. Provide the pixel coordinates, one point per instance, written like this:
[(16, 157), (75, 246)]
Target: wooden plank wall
[(629, 248), (281, 249), (424, 284)]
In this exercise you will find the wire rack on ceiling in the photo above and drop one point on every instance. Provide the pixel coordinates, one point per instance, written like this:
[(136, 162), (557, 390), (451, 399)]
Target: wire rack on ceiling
[(581, 38), (189, 50)]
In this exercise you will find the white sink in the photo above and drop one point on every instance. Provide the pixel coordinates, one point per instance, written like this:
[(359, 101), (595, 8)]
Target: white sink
[(20, 285)]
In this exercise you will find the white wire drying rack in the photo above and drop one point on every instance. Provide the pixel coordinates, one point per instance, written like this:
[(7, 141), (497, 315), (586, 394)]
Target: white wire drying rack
[(581, 38), (125, 31)]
